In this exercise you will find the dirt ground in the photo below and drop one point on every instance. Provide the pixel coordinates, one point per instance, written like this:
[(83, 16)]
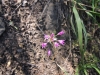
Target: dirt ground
[(26, 22), (20, 44)]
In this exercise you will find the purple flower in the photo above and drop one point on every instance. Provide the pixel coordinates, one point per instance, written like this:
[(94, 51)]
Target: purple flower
[(61, 32), (61, 42), (56, 44), (46, 37), (52, 35), (44, 45), (49, 52), (52, 39)]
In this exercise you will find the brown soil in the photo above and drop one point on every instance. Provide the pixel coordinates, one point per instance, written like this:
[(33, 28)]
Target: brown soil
[(20, 44)]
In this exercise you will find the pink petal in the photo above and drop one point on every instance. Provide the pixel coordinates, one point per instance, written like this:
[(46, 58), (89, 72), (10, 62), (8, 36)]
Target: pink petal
[(62, 42), (52, 35), (61, 32), (49, 52), (44, 45), (56, 44), (46, 37)]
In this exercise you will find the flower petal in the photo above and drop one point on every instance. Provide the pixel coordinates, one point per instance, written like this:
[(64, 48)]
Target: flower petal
[(56, 44), (44, 45), (52, 35), (61, 32), (46, 37), (49, 52), (62, 42)]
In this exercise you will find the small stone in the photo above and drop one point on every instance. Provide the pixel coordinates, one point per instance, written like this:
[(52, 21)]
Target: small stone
[(24, 3)]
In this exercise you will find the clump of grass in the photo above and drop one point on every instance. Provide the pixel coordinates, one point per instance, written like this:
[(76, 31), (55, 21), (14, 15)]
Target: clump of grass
[(81, 34)]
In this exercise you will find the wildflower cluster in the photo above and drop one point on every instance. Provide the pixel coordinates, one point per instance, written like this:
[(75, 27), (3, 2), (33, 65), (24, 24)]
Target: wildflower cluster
[(52, 40)]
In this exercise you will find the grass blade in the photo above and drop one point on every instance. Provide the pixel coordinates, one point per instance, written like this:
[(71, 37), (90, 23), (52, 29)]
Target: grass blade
[(73, 27), (85, 36), (85, 72), (79, 27), (77, 71), (98, 70)]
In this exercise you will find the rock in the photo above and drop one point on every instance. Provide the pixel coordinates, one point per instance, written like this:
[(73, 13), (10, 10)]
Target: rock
[(2, 25), (51, 17)]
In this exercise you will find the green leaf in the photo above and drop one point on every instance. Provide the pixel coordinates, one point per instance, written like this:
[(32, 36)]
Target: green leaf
[(89, 65), (73, 27), (77, 71), (93, 5), (85, 72), (86, 10), (85, 36), (79, 27), (95, 13), (98, 70)]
